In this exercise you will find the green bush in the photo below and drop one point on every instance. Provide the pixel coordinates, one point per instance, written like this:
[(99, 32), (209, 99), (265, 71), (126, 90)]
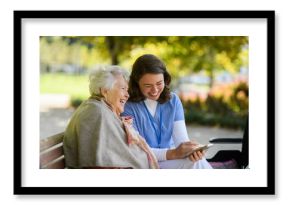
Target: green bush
[(226, 108), (75, 102)]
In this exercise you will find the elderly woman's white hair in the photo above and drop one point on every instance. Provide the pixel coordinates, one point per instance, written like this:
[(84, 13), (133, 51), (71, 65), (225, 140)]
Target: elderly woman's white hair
[(105, 77)]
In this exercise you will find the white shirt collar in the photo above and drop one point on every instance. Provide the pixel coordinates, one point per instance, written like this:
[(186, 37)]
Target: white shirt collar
[(151, 105)]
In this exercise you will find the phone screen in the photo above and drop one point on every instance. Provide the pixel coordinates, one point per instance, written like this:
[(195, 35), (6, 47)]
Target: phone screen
[(203, 147)]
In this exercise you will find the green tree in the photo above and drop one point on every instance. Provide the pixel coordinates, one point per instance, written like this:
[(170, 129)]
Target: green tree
[(209, 53), (182, 54)]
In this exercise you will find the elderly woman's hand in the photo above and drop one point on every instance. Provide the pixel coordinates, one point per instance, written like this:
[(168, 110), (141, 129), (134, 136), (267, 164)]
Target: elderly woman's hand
[(128, 119)]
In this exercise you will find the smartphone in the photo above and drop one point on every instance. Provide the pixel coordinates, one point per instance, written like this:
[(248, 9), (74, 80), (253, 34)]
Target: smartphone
[(202, 147)]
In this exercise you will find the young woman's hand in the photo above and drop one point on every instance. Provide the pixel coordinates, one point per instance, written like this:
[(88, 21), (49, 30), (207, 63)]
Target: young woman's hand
[(182, 151), (195, 156)]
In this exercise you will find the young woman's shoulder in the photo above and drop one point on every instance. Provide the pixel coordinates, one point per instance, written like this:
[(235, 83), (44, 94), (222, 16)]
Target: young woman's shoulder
[(174, 97), (130, 106)]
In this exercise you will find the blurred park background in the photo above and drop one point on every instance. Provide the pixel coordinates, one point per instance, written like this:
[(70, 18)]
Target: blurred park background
[(209, 73)]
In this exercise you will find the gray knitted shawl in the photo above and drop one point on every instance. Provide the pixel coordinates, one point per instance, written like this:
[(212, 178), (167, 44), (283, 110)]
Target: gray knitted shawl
[(95, 136)]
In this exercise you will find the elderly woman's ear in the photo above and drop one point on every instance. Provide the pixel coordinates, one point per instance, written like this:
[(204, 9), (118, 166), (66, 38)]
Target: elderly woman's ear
[(103, 92)]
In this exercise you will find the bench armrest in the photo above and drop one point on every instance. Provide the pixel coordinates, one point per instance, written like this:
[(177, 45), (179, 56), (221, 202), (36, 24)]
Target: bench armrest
[(226, 140)]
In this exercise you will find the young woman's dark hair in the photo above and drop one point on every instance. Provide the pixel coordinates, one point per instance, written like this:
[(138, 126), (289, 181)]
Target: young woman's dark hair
[(148, 63)]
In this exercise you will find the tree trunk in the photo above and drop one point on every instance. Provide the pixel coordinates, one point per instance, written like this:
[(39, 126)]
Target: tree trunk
[(113, 49), (211, 78)]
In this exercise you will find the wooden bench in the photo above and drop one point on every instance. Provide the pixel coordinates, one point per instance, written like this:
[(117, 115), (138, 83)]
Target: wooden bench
[(52, 155), (51, 152)]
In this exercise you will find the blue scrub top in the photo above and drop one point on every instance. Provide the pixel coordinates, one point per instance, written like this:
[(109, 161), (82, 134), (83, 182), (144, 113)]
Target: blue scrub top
[(149, 126)]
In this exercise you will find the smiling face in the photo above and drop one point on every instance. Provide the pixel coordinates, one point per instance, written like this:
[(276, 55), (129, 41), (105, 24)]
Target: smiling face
[(118, 95), (152, 85)]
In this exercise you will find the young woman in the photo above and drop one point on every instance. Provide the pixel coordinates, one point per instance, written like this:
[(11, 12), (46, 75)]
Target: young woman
[(158, 116)]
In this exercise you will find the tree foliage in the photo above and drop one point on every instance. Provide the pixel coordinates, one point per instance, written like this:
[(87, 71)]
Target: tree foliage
[(182, 54)]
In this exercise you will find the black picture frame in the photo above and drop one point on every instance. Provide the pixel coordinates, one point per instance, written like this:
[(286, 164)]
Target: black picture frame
[(19, 189)]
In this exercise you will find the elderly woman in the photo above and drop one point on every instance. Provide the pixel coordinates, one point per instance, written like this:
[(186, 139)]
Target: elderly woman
[(97, 136)]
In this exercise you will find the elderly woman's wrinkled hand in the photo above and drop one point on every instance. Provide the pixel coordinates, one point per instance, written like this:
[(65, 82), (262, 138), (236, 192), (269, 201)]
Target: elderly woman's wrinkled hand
[(128, 119)]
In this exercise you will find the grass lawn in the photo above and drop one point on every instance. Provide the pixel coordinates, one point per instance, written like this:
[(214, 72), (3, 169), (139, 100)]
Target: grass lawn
[(77, 86)]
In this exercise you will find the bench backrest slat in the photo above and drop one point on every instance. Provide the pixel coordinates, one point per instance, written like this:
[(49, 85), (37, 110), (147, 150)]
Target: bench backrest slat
[(51, 141), (51, 152), (58, 164), (50, 155)]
